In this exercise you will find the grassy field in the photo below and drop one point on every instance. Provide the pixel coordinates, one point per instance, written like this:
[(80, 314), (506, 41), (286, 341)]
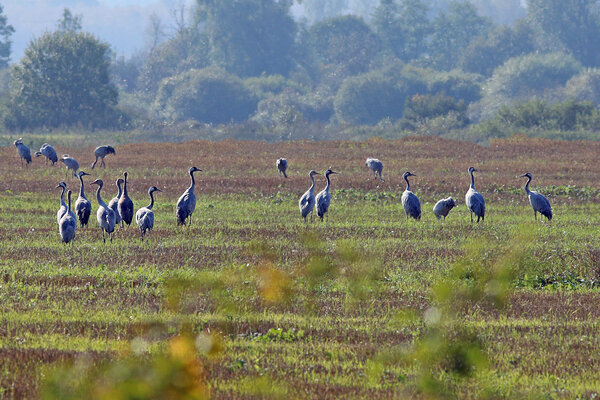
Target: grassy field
[(320, 310)]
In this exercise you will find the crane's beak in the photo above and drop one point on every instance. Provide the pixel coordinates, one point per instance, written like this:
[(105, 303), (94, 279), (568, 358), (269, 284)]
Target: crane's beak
[(523, 176), (158, 190)]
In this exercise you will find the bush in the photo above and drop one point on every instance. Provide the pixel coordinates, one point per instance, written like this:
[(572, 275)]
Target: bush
[(422, 107), (268, 85), (456, 84), (585, 86), (208, 95)]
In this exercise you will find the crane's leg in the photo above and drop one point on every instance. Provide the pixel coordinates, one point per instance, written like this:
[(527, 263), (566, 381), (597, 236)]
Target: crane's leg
[(103, 237), (103, 164), (471, 216), (535, 214)]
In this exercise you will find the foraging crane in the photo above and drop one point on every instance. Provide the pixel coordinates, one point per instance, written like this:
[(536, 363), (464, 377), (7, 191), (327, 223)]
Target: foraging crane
[(63, 206), (443, 207), (105, 215), (376, 166), (410, 201), (67, 224), (145, 216), (187, 202), (538, 202), (125, 205), (24, 152), (307, 201), (47, 151), (282, 165), (474, 199), (83, 207), (113, 203), (70, 163), (100, 152), (323, 199)]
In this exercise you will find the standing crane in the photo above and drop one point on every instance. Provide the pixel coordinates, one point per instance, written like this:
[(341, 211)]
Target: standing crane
[(145, 216), (307, 201), (67, 224), (47, 151), (410, 201), (63, 206), (474, 199), (24, 152), (125, 205), (113, 203), (323, 199), (102, 151), (187, 202), (538, 202), (70, 163), (376, 166), (282, 165), (105, 215), (83, 207)]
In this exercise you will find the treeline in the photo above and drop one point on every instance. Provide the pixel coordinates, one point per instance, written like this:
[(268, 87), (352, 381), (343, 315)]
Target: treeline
[(409, 67)]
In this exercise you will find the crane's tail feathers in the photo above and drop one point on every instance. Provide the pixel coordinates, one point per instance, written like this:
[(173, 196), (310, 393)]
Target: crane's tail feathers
[(181, 216)]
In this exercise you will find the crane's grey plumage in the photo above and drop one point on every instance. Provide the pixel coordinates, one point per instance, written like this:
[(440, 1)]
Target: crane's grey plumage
[(187, 202), (100, 152), (67, 224), (443, 207), (113, 203), (474, 199), (24, 152), (145, 216), (47, 151), (410, 201), (538, 202), (83, 207), (307, 201), (376, 166), (282, 165), (63, 206), (70, 163), (323, 199), (125, 205), (105, 215)]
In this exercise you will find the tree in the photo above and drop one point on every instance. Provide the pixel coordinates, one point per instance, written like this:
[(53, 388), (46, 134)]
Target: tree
[(6, 32), (318, 10), (387, 25), (572, 25), (453, 32), (416, 28), (249, 37), (209, 95), (62, 80), (69, 22)]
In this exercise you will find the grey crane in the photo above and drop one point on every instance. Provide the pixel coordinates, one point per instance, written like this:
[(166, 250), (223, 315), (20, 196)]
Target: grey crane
[(145, 216), (83, 207), (538, 202), (24, 152), (125, 205), (443, 207), (63, 206), (474, 199), (113, 203), (70, 163), (186, 204), (47, 151), (67, 224), (307, 201), (376, 166), (282, 165), (410, 201), (105, 215), (323, 199), (100, 152)]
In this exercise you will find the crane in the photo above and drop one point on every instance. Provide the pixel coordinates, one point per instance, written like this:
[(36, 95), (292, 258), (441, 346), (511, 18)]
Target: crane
[(145, 216), (307, 201), (105, 215), (67, 224), (63, 206), (100, 152), (323, 199), (24, 152), (443, 207), (113, 203), (125, 205), (186, 204), (70, 163), (47, 151), (376, 166), (83, 207), (474, 199), (410, 201), (538, 202), (282, 165)]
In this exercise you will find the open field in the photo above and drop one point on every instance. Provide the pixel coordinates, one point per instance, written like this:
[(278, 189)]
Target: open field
[(252, 266)]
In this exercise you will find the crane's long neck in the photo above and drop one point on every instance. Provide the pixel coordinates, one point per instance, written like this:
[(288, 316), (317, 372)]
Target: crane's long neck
[(193, 181), (62, 196), (125, 186), (81, 190), (151, 201), (527, 185), (328, 183), (407, 183), (472, 181), (120, 190), (98, 196), (312, 187), (69, 204)]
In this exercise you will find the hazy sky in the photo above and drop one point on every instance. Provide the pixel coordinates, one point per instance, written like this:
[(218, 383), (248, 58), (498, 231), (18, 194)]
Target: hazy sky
[(122, 23)]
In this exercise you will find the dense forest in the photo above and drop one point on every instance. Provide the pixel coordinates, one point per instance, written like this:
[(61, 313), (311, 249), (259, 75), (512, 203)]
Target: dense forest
[(283, 69)]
